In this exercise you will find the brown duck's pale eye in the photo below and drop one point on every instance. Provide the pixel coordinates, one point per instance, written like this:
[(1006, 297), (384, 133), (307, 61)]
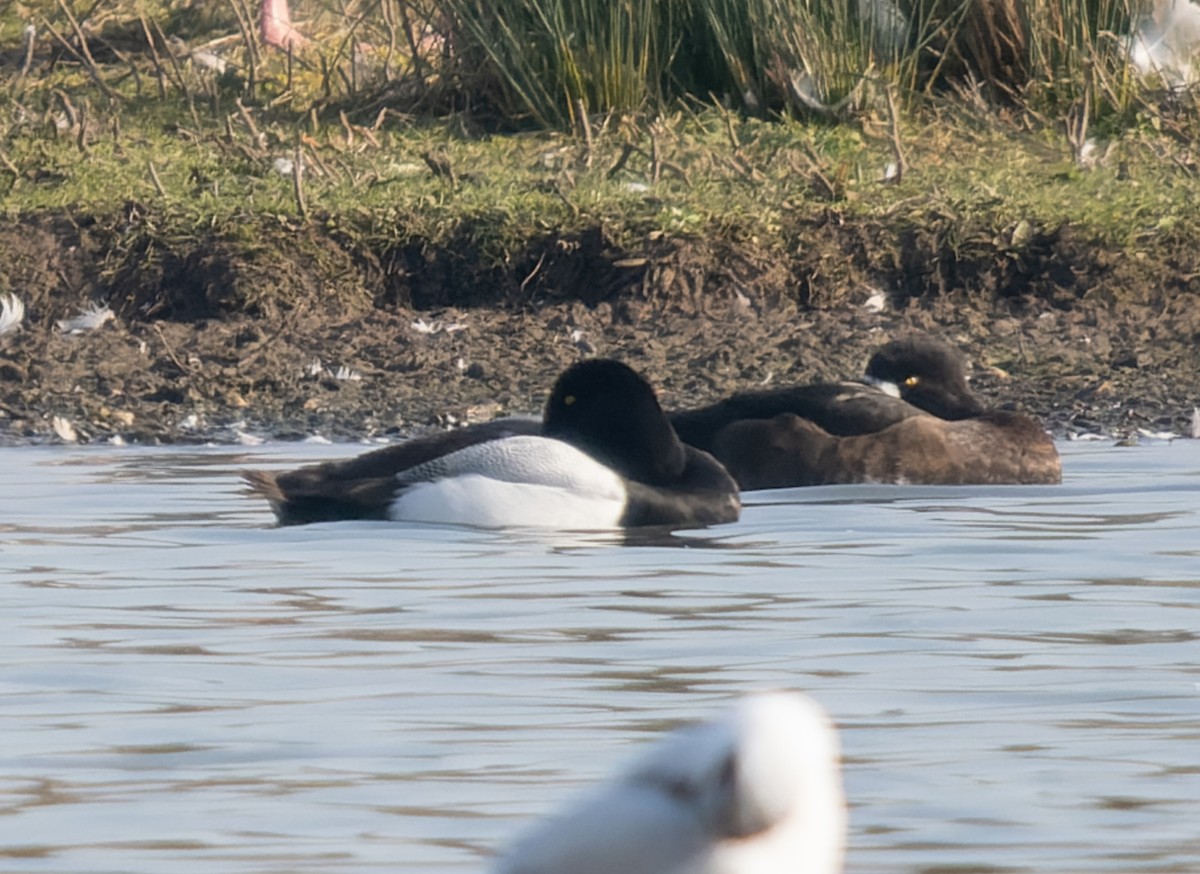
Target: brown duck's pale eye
[(912, 381), (568, 400)]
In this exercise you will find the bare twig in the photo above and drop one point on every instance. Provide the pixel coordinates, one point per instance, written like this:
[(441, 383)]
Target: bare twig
[(655, 155), (538, 266), (82, 137), (248, 120), (158, 186), (159, 73), (183, 368), (168, 46), (745, 168), (369, 136), (585, 127), (894, 136), (730, 130), (386, 11), (1077, 125), (246, 26), (562, 195), (9, 165), (420, 66), (629, 149), (84, 55), (297, 181), (30, 37), (68, 107), (627, 152), (322, 167), (816, 176), (127, 61)]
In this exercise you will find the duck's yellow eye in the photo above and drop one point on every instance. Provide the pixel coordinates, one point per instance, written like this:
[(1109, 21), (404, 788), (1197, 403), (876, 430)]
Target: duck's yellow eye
[(912, 381), (568, 400)]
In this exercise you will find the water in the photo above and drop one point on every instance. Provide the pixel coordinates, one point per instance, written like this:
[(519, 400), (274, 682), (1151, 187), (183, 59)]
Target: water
[(1015, 671)]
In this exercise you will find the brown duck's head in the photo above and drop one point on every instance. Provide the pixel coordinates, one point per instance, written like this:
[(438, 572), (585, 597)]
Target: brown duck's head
[(927, 373)]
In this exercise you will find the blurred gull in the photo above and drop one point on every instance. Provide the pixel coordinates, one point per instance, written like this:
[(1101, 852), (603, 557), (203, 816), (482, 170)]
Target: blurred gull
[(757, 791), (1167, 42)]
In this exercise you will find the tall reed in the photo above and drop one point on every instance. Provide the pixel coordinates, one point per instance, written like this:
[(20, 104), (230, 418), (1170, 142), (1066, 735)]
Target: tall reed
[(546, 59), (1079, 50), (809, 54)]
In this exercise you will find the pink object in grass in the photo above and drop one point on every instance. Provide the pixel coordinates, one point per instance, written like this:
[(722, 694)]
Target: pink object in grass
[(275, 23)]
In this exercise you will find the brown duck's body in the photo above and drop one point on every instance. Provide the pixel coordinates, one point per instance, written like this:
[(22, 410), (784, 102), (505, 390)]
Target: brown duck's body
[(912, 420), (994, 448), (842, 408)]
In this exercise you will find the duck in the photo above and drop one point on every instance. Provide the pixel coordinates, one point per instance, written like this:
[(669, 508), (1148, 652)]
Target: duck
[(604, 455), (911, 419), (911, 376), (757, 790), (998, 447)]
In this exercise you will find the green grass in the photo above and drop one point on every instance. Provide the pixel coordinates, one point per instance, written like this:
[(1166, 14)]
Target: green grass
[(72, 145)]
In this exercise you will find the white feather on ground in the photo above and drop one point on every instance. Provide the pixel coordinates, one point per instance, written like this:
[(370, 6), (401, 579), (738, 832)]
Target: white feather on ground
[(12, 313), (64, 428), (89, 318)]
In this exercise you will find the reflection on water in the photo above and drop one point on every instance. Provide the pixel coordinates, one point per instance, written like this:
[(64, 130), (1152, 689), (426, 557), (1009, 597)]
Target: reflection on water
[(186, 688)]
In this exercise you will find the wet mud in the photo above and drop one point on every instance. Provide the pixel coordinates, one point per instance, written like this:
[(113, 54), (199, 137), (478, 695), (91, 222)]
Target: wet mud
[(299, 332)]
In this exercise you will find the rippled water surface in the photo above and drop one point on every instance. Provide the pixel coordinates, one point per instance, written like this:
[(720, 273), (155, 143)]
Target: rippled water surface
[(1015, 671)]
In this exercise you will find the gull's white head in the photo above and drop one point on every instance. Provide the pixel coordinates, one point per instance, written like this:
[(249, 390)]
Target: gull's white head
[(757, 791)]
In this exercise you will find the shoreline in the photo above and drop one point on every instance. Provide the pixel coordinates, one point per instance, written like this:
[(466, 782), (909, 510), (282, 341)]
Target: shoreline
[(289, 358)]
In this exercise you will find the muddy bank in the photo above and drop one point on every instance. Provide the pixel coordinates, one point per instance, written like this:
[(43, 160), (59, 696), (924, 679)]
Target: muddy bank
[(283, 331)]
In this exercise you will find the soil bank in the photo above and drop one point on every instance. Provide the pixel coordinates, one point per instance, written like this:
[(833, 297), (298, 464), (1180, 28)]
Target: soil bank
[(305, 333)]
